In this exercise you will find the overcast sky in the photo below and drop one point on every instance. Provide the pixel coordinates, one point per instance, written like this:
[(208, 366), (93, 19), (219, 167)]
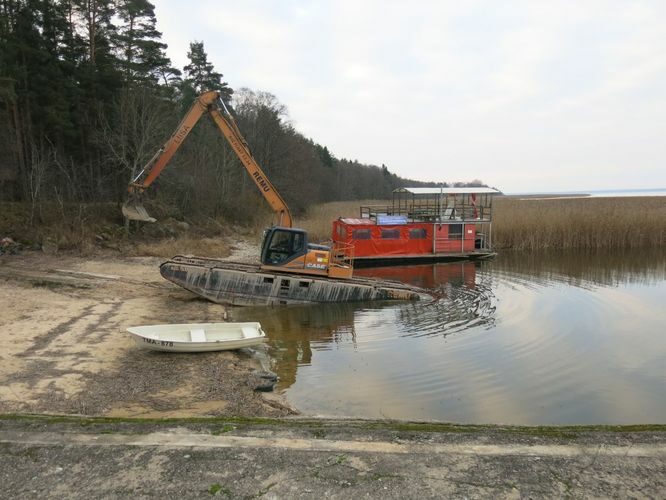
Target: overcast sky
[(524, 95)]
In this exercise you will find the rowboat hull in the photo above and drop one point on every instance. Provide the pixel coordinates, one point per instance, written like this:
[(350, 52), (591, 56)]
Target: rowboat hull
[(198, 337)]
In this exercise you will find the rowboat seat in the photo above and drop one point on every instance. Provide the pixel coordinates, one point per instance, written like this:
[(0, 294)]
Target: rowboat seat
[(248, 332), (198, 335)]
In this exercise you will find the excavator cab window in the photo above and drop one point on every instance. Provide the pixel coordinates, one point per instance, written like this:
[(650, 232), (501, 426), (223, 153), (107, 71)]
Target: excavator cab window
[(282, 245)]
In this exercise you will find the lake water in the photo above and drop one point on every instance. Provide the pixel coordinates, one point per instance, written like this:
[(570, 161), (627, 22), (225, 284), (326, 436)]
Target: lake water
[(628, 192), (522, 339), (609, 193)]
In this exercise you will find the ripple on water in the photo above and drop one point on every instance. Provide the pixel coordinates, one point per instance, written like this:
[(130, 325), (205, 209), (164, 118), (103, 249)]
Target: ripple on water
[(503, 344)]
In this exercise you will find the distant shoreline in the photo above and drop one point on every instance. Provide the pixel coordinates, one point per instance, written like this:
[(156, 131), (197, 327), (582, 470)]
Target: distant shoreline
[(605, 193)]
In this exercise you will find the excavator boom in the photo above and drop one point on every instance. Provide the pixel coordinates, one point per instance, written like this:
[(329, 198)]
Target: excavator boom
[(212, 103), (229, 129), (284, 248)]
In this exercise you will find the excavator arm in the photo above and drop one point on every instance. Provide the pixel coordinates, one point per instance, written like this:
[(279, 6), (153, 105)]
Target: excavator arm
[(212, 103), (229, 129), (284, 249)]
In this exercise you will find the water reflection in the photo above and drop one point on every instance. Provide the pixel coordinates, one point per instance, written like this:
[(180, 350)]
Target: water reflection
[(296, 330), (581, 268), (432, 276), (526, 339), (464, 300)]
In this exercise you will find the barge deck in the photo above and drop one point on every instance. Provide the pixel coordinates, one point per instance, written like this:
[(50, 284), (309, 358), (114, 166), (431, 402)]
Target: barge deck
[(397, 260), (243, 284)]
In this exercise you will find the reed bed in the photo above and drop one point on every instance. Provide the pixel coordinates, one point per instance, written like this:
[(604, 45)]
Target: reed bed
[(579, 223), (537, 224), (518, 223)]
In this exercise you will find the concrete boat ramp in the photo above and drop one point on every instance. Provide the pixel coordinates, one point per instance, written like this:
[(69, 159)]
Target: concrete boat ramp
[(57, 457)]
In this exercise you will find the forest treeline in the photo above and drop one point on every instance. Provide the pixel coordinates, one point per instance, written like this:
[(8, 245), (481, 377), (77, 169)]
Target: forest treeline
[(88, 95)]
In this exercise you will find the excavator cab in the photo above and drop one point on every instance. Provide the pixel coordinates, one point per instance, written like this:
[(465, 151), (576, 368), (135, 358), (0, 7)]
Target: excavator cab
[(282, 245), (287, 250)]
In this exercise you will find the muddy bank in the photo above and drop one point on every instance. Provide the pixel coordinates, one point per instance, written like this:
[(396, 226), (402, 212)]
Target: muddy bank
[(64, 349)]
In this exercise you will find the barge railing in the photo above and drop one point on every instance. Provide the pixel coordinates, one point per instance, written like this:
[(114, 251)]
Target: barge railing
[(429, 212)]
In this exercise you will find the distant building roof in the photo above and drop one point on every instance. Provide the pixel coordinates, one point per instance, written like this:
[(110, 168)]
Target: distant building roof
[(455, 190)]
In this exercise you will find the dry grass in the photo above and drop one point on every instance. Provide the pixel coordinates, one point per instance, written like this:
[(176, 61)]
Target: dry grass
[(522, 224), (57, 226), (579, 223), (530, 224), (319, 218), (184, 245), (87, 228)]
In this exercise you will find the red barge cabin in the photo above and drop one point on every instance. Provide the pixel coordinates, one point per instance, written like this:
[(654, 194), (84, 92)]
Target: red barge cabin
[(421, 225)]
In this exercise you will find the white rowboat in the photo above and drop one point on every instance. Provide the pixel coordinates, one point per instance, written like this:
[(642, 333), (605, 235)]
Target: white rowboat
[(198, 337)]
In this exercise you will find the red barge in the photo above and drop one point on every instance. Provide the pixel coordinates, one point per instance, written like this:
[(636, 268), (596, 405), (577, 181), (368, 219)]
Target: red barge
[(421, 225)]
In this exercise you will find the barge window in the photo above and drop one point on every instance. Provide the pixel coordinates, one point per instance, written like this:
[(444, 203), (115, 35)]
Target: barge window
[(417, 234), (455, 231), (361, 234), (390, 234)]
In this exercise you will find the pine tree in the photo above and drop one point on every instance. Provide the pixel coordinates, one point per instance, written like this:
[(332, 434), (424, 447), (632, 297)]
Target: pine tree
[(96, 23), (201, 75), (38, 90), (142, 54), (55, 85), (11, 140), (324, 155)]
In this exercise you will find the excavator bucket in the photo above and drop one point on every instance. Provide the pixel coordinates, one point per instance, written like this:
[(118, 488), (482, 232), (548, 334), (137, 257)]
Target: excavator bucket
[(134, 210)]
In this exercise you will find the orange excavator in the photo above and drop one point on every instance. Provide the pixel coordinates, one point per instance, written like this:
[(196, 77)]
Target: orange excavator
[(284, 248)]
